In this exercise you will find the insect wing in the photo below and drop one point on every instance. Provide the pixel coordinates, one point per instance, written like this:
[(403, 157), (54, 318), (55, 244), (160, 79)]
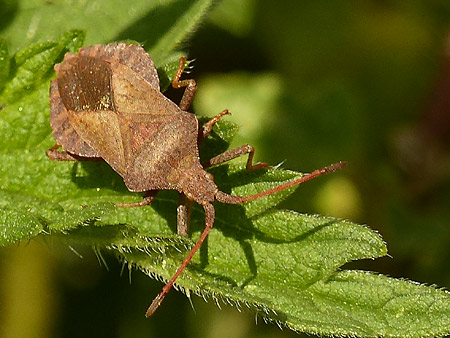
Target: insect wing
[(101, 131), (106, 108), (134, 95), (158, 158), (63, 132), (132, 56), (143, 112)]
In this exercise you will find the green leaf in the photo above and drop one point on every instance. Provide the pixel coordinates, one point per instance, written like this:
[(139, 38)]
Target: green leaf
[(160, 24), (32, 64), (26, 216), (85, 215), (4, 62), (24, 123), (125, 239), (371, 305), (283, 266), (176, 24), (16, 225)]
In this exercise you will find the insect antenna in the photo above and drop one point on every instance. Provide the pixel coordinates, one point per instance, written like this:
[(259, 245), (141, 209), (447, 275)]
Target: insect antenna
[(230, 199)]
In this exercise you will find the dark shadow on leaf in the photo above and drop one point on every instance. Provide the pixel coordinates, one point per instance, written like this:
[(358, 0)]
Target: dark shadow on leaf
[(8, 10), (98, 174), (165, 204), (201, 271), (226, 181), (271, 239), (248, 250), (204, 254), (231, 220)]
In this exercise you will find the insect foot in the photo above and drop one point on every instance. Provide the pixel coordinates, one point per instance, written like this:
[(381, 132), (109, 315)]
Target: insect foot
[(106, 105)]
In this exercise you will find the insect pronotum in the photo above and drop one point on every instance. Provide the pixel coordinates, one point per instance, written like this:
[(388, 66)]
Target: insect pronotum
[(106, 105)]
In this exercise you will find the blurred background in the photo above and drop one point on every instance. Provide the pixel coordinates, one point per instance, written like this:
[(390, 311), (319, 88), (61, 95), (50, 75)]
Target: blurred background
[(310, 83)]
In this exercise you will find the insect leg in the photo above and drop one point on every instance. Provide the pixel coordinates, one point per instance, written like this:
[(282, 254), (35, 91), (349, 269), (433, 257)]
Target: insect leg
[(147, 200), (59, 155), (190, 84), (209, 221), (183, 215), (234, 153), (208, 126)]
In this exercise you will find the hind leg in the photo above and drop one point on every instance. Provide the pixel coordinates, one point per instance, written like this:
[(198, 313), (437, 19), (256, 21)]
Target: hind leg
[(60, 155), (148, 198)]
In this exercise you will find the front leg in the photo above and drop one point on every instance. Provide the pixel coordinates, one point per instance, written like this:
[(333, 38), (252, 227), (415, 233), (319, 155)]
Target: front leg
[(208, 126), (190, 84)]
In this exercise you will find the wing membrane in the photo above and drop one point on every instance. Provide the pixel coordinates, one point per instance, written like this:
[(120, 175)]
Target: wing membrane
[(101, 131), (134, 95)]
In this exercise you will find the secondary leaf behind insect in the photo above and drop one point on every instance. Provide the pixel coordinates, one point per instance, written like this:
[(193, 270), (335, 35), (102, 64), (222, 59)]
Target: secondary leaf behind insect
[(30, 65), (4, 63)]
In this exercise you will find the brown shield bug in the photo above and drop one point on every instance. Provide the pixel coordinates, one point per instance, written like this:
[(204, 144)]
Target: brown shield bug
[(106, 105)]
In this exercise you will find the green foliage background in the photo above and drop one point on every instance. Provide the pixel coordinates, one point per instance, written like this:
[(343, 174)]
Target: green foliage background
[(310, 83)]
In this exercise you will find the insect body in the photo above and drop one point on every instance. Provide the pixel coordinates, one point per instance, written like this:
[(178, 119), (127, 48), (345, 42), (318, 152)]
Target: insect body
[(106, 104)]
